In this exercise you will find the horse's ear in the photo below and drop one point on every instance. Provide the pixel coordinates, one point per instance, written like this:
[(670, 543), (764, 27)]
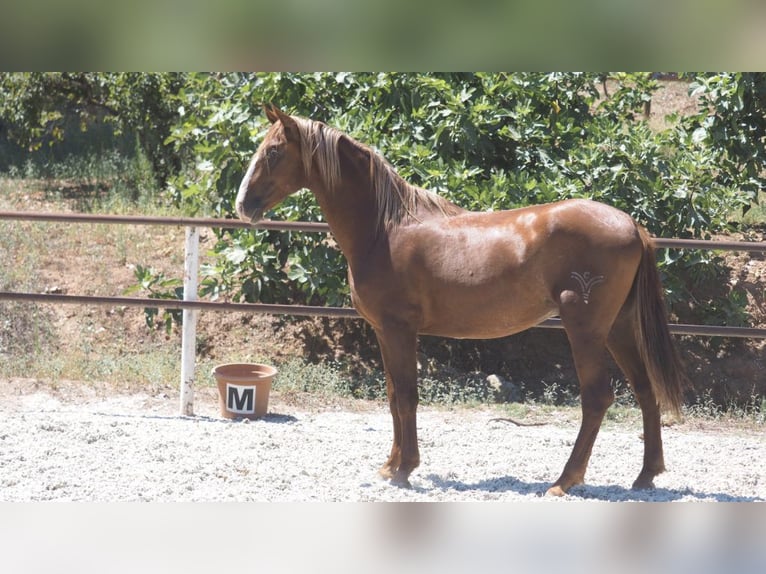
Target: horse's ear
[(283, 117), (288, 123), (276, 115), (270, 112)]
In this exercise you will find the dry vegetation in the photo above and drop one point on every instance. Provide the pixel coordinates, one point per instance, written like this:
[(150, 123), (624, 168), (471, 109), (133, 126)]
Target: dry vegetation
[(92, 343)]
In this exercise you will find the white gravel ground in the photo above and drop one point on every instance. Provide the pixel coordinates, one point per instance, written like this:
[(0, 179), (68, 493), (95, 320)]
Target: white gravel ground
[(136, 448)]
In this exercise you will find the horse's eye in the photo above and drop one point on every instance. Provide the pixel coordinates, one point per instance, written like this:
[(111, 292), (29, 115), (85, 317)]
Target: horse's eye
[(272, 154)]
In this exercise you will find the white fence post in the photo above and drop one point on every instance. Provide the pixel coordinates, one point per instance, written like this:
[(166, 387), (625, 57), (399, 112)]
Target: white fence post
[(189, 332)]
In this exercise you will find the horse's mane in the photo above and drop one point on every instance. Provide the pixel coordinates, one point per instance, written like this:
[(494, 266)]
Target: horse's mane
[(396, 200)]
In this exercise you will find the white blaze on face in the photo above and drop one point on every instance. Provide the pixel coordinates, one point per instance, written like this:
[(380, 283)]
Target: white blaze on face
[(243, 187)]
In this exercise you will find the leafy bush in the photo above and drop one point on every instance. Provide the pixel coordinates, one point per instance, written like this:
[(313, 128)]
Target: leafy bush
[(485, 141), (732, 124), (47, 110), (158, 287)]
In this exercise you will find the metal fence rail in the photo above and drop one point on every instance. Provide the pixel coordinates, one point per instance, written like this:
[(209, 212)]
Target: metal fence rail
[(307, 226), (191, 306), (305, 310), (312, 311), (212, 222)]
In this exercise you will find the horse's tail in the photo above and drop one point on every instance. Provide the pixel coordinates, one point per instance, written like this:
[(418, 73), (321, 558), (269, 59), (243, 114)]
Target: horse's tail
[(655, 344)]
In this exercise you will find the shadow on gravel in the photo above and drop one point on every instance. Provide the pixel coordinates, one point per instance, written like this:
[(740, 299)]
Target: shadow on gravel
[(499, 485), (268, 418), (608, 493), (616, 493)]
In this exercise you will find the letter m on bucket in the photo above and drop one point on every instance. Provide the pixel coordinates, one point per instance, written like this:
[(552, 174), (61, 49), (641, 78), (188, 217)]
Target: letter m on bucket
[(240, 399)]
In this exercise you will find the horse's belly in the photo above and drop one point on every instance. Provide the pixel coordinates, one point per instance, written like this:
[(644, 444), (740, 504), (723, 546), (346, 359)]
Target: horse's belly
[(485, 316)]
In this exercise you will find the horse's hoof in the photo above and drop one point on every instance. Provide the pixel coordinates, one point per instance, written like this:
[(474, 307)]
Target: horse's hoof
[(401, 481), (555, 490), (386, 473), (645, 480), (643, 484)]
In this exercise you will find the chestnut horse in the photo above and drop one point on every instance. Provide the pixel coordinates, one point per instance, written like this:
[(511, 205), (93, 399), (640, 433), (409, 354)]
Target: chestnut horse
[(420, 264)]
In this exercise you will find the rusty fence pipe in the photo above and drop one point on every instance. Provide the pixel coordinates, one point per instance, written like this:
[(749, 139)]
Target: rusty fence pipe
[(312, 311), (314, 227), (305, 310)]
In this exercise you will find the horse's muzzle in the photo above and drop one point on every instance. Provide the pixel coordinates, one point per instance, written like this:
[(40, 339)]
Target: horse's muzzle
[(249, 213)]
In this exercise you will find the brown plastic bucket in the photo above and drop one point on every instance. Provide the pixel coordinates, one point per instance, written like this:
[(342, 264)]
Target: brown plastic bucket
[(243, 389)]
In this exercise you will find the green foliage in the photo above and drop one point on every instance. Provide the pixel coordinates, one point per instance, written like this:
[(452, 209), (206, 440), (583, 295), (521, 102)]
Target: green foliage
[(158, 286), (485, 141), (40, 108), (733, 125)]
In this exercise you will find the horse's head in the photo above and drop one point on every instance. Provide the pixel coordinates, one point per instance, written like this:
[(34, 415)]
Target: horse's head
[(275, 169)]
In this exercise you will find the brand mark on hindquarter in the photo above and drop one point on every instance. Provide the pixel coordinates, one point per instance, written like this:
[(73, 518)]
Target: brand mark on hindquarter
[(587, 282)]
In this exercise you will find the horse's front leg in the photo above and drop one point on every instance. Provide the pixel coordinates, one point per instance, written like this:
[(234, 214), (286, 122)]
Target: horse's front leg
[(388, 470), (398, 346)]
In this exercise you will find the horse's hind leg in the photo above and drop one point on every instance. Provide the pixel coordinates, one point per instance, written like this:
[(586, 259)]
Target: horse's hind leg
[(595, 396), (624, 349), (587, 327)]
